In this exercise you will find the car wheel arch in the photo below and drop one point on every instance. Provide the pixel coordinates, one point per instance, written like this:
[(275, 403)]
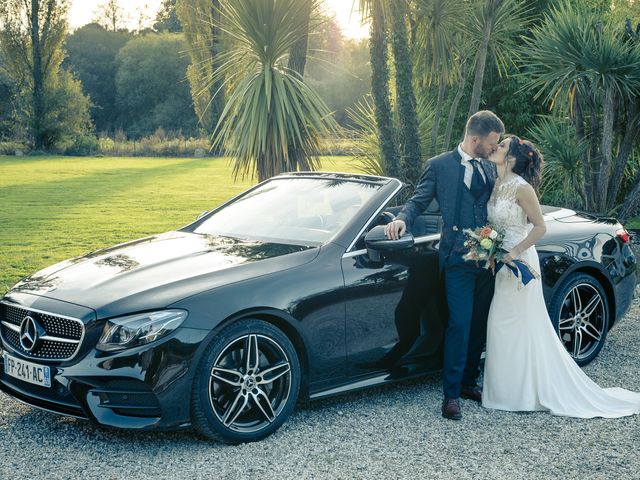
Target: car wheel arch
[(278, 319), (596, 271), (244, 382)]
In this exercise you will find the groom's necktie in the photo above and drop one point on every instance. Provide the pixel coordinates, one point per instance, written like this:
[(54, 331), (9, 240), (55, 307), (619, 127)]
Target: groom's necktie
[(478, 183)]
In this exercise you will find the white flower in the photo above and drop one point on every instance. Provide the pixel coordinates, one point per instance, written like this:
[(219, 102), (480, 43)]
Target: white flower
[(486, 243), (493, 235)]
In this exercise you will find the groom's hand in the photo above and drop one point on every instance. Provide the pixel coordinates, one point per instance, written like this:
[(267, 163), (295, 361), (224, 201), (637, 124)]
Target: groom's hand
[(394, 230)]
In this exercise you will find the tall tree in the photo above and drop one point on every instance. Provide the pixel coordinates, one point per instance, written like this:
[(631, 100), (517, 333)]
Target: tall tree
[(376, 11), (200, 22), (409, 140), (298, 53), (441, 56), (297, 62), (31, 42), (496, 25), (596, 83), (268, 108), (151, 91), (167, 18), (92, 52), (110, 15)]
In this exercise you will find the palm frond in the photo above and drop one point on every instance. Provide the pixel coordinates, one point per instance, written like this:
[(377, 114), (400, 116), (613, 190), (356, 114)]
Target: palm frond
[(564, 156), (272, 121), (368, 157)]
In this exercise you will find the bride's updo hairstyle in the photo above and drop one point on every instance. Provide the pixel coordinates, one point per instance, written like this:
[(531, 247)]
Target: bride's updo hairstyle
[(528, 161)]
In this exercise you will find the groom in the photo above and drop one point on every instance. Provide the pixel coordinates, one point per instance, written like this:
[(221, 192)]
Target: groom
[(461, 181)]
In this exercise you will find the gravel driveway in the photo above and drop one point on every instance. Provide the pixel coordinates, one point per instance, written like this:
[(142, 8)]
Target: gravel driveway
[(389, 432)]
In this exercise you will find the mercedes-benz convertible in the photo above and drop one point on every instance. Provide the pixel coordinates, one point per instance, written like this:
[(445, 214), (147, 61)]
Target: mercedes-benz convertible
[(287, 292)]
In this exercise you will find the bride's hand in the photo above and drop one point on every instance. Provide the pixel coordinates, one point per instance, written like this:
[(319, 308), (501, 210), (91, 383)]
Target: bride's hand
[(509, 257)]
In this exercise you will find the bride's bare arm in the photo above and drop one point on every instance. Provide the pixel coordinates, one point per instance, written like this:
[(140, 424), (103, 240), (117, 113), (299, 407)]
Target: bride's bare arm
[(528, 200)]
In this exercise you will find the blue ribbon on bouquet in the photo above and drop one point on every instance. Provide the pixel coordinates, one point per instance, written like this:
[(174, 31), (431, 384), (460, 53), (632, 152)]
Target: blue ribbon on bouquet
[(521, 269)]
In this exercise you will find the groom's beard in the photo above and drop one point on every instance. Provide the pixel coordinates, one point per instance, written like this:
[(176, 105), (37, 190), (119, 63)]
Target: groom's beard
[(481, 152)]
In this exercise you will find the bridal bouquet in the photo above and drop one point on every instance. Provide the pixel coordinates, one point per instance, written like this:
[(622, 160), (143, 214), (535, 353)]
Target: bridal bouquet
[(484, 244)]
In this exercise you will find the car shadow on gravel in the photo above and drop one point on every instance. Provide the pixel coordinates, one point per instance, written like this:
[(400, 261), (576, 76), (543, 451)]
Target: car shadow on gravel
[(75, 433)]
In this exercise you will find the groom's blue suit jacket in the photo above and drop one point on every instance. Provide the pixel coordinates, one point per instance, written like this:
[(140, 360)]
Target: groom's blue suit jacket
[(444, 180)]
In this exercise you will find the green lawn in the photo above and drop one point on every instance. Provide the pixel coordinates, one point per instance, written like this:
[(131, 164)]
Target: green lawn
[(53, 208)]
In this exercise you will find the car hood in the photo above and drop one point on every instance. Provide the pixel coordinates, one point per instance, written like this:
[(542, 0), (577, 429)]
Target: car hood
[(156, 271)]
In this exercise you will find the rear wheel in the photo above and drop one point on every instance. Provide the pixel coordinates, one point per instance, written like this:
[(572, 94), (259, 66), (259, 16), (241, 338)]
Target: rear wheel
[(580, 314), (246, 384)]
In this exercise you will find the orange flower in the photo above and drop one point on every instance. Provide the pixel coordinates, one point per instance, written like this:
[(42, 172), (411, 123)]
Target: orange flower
[(485, 232)]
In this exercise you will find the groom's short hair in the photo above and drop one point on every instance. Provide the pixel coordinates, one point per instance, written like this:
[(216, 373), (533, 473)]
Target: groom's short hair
[(483, 123)]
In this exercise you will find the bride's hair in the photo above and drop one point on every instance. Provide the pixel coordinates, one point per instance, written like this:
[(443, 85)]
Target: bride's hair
[(529, 161)]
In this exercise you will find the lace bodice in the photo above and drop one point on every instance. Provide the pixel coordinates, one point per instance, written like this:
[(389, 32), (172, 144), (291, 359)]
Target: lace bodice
[(504, 212)]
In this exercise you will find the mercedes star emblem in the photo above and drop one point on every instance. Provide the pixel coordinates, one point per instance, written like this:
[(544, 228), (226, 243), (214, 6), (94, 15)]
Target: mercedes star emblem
[(29, 333)]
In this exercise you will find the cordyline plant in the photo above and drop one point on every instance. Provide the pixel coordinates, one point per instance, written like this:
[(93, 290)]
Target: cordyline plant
[(272, 121), (589, 71)]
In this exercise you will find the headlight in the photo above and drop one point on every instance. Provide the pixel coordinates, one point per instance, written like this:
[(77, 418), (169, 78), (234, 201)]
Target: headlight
[(135, 330)]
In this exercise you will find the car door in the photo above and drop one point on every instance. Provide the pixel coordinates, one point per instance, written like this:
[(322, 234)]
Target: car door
[(394, 307)]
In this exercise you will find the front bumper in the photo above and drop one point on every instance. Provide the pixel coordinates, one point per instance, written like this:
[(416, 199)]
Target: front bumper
[(144, 388)]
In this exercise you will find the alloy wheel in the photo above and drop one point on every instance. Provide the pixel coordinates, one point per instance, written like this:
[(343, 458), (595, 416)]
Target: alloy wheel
[(250, 383), (582, 322)]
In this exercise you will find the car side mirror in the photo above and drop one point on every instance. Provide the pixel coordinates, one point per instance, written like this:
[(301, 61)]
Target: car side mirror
[(377, 243)]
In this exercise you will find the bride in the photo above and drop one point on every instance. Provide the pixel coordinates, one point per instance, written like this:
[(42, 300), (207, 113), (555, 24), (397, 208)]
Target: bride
[(527, 368)]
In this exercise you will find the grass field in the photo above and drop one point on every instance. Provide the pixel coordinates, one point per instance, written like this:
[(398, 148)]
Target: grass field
[(53, 208)]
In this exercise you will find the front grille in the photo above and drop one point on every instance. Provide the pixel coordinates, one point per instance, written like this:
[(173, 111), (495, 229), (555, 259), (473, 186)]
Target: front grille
[(61, 339)]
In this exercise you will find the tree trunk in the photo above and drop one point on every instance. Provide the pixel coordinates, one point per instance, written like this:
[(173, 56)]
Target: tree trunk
[(630, 135), (39, 141), (409, 138), (578, 124), (593, 157), (380, 90), (436, 118), (297, 62), (481, 59), (298, 53), (578, 117), (454, 105), (606, 148), (217, 89)]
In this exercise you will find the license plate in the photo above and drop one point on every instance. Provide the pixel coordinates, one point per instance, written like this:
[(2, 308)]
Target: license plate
[(27, 371)]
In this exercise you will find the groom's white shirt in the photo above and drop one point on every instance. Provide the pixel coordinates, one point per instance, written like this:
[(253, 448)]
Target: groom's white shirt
[(468, 168)]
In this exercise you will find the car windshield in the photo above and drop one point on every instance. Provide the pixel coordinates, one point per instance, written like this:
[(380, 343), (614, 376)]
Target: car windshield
[(299, 211)]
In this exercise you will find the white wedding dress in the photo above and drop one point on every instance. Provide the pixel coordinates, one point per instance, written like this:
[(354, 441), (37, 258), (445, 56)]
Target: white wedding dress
[(526, 367)]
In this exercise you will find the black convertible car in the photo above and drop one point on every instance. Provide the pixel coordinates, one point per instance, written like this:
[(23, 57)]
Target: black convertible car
[(288, 291)]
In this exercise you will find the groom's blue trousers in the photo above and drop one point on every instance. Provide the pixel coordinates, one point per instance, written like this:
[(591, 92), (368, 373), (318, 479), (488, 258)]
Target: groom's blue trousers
[(469, 290)]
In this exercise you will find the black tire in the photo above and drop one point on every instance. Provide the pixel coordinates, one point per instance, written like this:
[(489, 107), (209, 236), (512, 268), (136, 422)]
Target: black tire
[(237, 399), (580, 315)]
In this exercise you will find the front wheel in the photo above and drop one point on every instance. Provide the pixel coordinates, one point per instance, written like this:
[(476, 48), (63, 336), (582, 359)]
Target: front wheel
[(246, 384), (580, 314)]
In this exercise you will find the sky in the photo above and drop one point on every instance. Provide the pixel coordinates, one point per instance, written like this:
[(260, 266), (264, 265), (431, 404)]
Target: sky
[(83, 12)]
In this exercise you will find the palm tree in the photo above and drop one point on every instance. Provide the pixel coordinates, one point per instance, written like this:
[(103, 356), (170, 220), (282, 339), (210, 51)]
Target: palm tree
[(595, 80), (199, 19), (409, 139), (377, 12), (495, 25), (272, 122), (440, 56)]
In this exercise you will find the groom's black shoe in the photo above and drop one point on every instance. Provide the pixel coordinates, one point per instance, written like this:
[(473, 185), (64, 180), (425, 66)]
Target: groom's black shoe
[(451, 409), (472, 393)]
